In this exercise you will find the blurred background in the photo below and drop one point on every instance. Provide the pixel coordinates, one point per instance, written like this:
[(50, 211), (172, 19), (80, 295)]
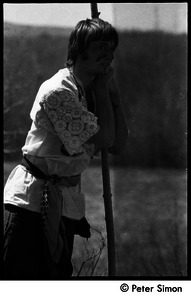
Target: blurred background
[(149, 176)]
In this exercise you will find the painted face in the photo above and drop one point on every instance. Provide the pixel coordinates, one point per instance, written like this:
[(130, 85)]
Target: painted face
[(99, 57)]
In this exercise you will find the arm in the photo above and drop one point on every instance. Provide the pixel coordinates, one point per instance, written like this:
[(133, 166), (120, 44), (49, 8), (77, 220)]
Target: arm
[(104, 112), (63, 115), (121, 131)]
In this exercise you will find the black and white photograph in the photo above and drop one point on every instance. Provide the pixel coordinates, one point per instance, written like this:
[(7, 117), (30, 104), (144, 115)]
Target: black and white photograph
[(95, 142)]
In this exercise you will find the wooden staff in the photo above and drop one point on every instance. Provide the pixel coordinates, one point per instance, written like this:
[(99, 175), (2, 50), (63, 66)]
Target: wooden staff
[(107, 192)]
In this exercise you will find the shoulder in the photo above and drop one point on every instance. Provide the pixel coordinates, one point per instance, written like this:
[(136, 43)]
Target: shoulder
[(58, 87), (61, 81)]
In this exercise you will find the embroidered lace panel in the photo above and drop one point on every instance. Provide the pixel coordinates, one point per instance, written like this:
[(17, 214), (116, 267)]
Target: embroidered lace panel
[(63, 114)]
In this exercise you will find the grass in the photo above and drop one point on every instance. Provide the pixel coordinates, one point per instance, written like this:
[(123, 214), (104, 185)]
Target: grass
[(150, 214), (150, 219)]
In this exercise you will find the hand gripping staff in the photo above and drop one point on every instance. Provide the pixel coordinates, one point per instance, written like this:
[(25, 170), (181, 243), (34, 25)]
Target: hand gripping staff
[(107, 192)]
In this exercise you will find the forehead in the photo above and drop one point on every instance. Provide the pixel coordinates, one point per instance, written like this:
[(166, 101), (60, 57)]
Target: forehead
[(96, 44)]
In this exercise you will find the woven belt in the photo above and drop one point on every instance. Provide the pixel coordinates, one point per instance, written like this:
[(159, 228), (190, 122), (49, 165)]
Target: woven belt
[(36, 172), (53, 179)]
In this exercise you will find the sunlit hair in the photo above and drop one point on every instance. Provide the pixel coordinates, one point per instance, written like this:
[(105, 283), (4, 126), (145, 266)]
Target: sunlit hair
[(87, 31)]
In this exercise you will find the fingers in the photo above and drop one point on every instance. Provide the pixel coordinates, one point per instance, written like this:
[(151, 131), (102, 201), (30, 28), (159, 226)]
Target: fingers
[(104, 79), (110, 74)]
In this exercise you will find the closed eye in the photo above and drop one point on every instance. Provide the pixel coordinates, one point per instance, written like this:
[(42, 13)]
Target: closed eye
[(107, 47)]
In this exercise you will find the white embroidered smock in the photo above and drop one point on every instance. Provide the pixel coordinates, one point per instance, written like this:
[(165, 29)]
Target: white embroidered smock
[(60, 119)]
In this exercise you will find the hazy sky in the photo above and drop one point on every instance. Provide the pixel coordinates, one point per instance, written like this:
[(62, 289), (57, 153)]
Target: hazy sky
[(167, 16), (58, 14)]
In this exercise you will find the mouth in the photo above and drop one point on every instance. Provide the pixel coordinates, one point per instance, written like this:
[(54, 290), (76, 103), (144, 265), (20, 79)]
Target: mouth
[(106, 63)]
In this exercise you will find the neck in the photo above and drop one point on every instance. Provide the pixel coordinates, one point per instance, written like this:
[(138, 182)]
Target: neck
[(81, 73)]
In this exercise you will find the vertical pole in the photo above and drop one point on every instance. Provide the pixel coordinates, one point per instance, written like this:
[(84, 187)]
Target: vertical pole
[(94, 11), (107, 193), (108, 213)]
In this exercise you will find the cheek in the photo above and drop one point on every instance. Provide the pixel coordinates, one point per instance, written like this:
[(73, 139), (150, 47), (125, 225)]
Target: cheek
[(99, 58), (84, 55)]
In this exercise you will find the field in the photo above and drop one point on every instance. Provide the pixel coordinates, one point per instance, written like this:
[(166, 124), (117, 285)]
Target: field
[(150, 212)]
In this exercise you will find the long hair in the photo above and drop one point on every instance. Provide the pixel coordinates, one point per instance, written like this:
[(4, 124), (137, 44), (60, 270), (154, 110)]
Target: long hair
[(87, 31)]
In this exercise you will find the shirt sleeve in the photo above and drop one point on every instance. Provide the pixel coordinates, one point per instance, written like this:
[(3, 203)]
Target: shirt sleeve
[(63, 114)]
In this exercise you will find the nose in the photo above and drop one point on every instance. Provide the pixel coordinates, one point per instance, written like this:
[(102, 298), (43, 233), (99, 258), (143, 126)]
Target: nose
[(112, 55), (109, 54)]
